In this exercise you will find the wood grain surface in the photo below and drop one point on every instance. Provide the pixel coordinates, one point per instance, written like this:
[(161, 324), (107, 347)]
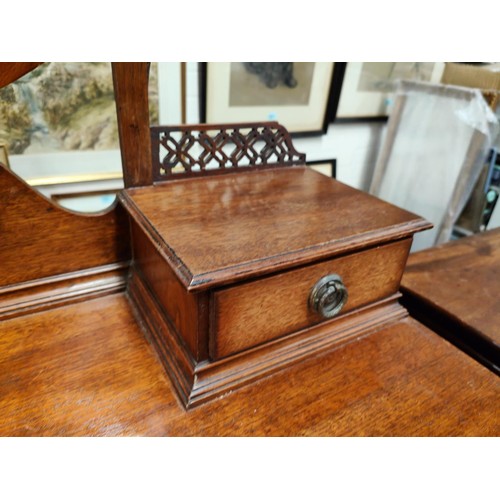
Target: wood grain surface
[(85, 369), (237, 226), (198, 382), (39, 239), (130, 82), (184, 310), (45, 293), (456, 288), (246, 315), (11, 71)]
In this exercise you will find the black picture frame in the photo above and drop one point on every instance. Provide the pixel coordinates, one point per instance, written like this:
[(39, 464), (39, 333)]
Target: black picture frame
[(332, 162), (329, 111)]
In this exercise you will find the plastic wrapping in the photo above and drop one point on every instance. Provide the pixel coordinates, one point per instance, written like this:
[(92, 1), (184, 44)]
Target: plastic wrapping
[(437, 140)]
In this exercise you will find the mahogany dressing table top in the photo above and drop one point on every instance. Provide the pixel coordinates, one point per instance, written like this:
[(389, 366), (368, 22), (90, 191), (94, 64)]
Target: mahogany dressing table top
[(455, 289), (86, 369)]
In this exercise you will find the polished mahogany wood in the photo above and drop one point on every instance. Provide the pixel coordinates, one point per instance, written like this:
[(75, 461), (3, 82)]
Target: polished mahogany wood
[(218, 230), (187, 311), (86, 370), (225, 265), (199, 381), (455, 288), (130, 81), (49, 255), (40, 239), (200, 150), (47, 293), (12, 71), (249, 314)]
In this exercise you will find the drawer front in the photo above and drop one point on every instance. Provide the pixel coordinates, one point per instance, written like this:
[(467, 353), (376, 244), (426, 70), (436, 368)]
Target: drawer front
[(243, 316)]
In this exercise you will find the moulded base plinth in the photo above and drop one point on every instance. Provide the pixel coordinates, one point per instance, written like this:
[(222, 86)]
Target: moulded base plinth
[(199, 382)]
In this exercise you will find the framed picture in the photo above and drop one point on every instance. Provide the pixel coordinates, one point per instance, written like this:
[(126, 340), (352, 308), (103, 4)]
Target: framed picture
[(302, 96), (367, 88), (325, 167)]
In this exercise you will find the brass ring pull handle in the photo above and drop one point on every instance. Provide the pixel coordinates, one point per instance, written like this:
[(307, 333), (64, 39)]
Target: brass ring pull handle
[(328, 296)]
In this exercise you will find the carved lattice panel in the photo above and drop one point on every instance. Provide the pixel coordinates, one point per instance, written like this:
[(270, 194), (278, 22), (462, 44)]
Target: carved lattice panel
[(212, 149)]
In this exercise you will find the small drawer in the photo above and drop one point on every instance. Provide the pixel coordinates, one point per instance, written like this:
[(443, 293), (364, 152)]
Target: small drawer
[(246, 315)]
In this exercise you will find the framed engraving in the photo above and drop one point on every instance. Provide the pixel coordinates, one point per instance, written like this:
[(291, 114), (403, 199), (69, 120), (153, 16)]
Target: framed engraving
[(302, 96)]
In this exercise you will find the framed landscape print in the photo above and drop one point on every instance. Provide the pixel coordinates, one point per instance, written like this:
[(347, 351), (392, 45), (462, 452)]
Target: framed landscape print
[(302, 96), (367, 89)]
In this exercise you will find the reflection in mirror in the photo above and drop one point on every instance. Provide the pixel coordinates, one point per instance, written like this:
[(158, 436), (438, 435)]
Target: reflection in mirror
[(58, 125), (90, 203)]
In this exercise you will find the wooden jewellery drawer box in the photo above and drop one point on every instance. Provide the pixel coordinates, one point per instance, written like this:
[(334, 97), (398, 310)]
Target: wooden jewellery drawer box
[(238, 271)]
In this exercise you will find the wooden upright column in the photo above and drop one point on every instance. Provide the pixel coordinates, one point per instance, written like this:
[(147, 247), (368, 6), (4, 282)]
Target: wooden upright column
[(130, 82)]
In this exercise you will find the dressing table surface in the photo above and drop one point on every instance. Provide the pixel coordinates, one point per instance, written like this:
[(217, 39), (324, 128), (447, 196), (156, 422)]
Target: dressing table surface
[(86, 369), (455, 289)]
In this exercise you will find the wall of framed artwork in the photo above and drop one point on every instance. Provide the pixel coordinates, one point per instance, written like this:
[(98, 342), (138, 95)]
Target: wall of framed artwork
[(171, 93), (60, 106), (354, 145), (301, 96), (368, 87)]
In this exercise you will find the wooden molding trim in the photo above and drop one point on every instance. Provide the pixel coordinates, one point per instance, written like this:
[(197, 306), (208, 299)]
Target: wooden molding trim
[(197, 383), (46, 293), (168, 345)]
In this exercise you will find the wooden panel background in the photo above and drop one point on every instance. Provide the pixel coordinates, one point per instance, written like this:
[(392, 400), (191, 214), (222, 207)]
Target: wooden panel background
[(39, 239)]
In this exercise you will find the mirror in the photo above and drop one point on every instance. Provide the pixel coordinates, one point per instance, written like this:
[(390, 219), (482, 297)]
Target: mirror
[(59, 132)]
